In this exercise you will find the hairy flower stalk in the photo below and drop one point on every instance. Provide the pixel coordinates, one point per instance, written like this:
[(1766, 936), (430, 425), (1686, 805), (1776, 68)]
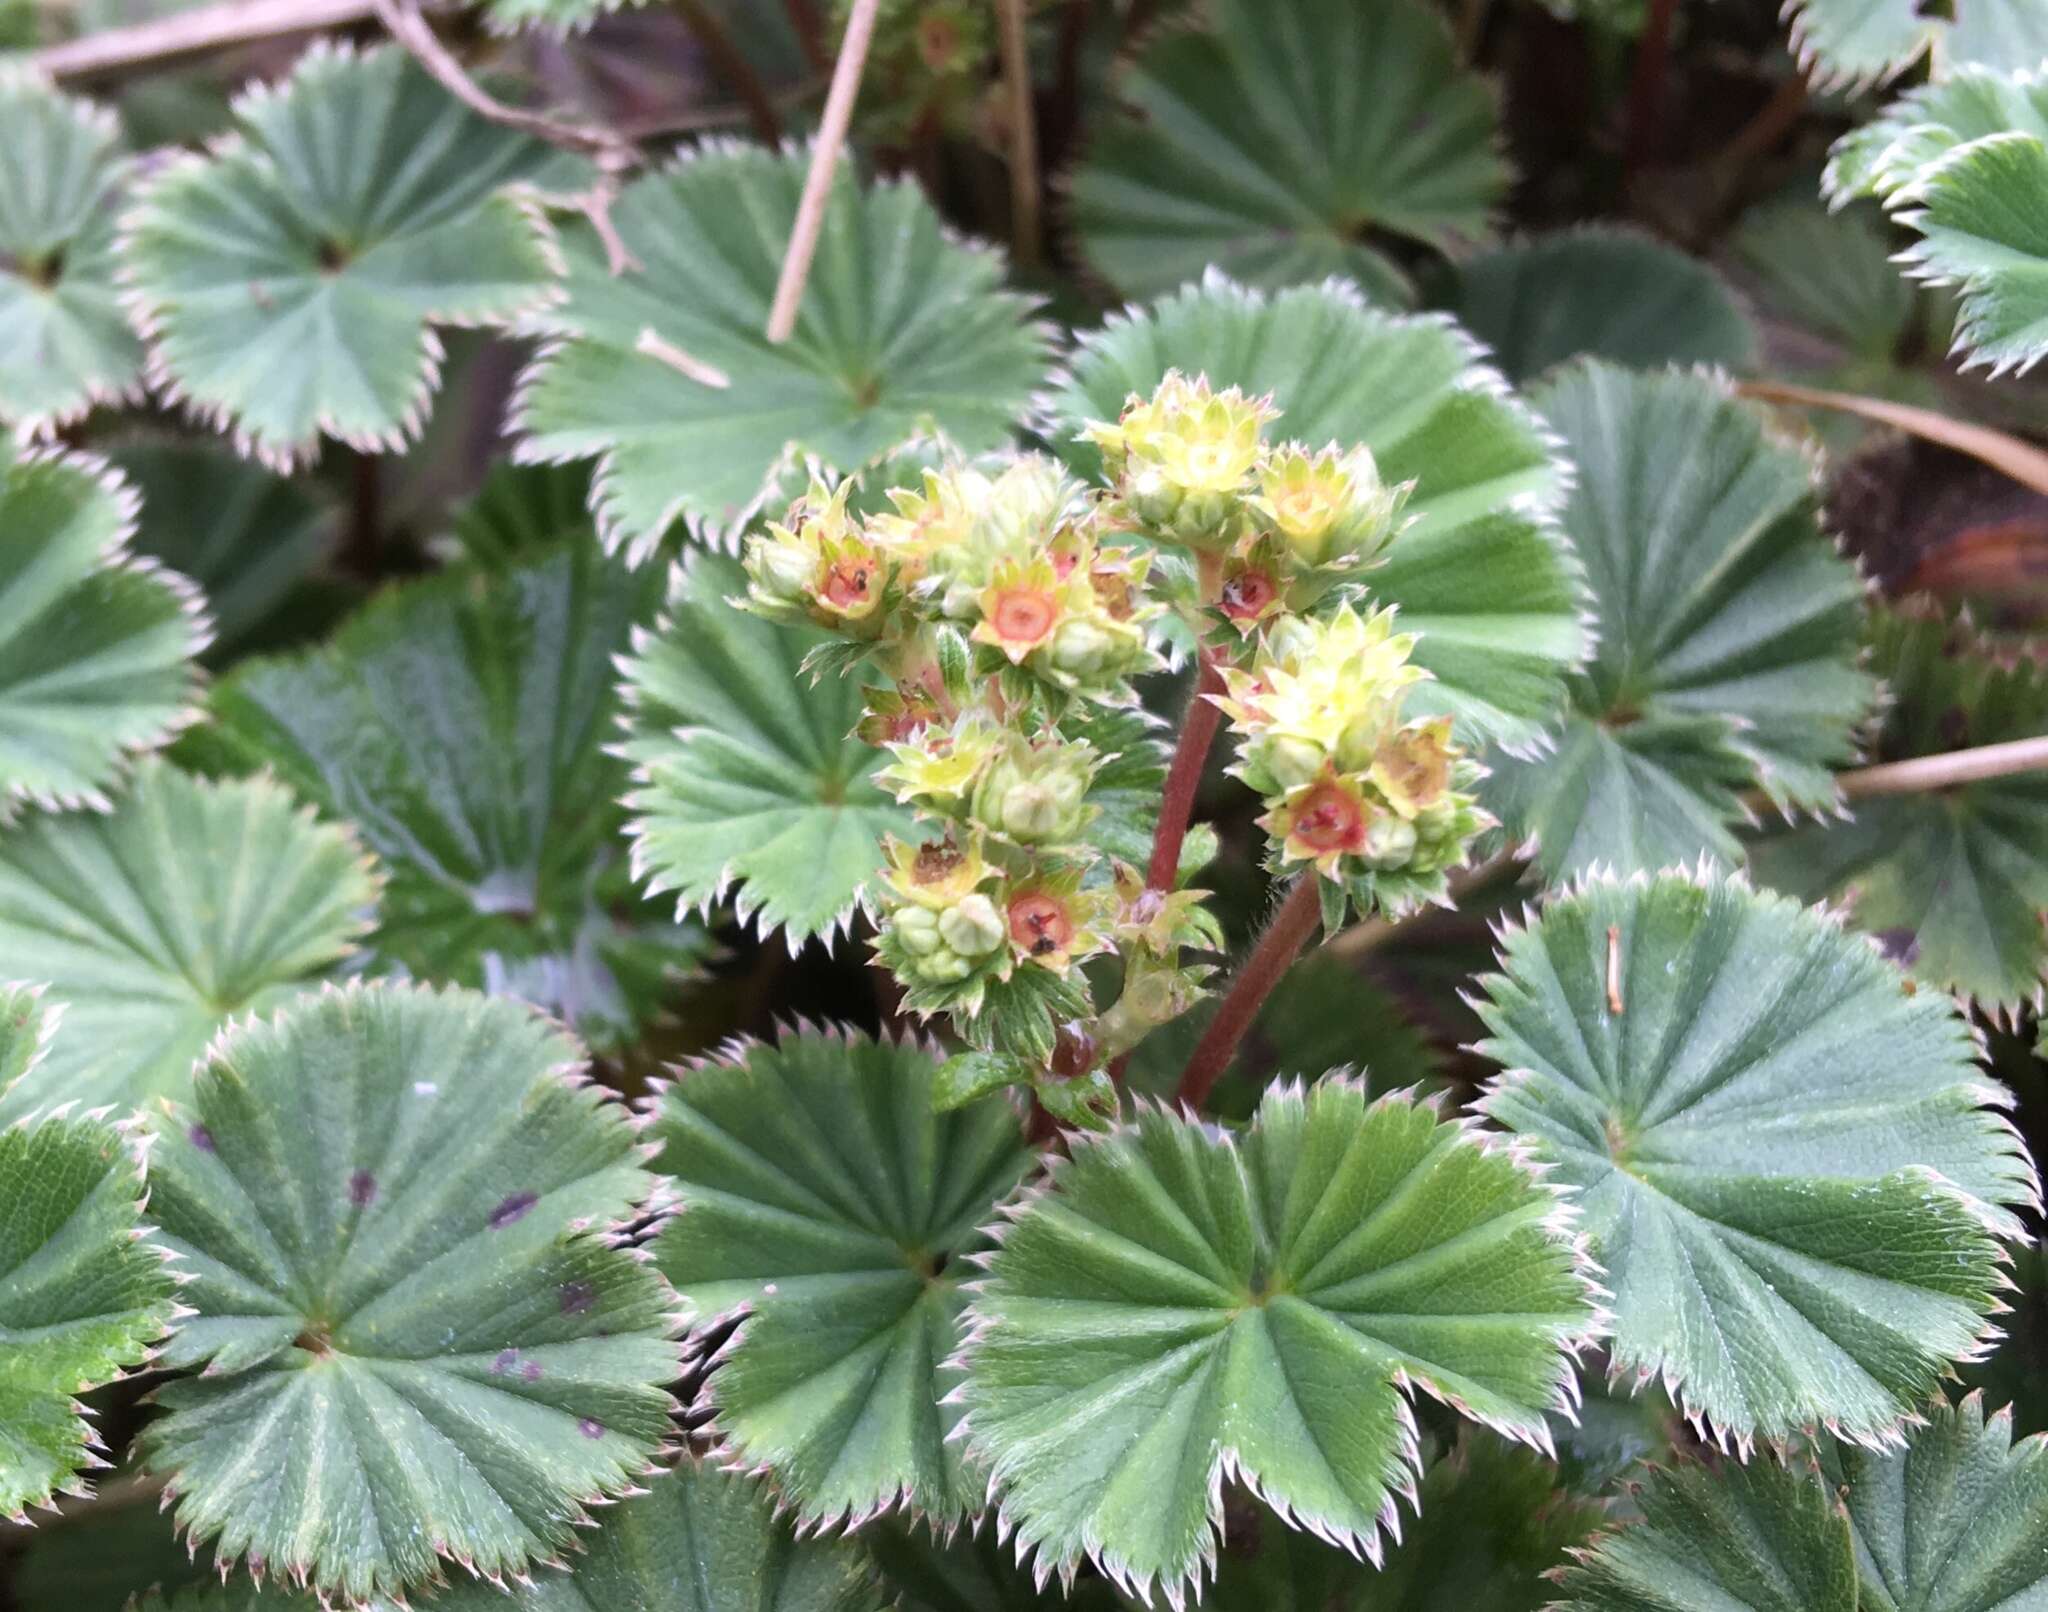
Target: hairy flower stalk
[(999, 610)]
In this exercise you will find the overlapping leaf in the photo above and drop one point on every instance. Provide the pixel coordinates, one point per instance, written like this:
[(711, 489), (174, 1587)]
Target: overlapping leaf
[(1954, 1521), (67, 344), (747, 771), (417, 1346), (826, 1201), (80, 1297), (1289, 140), (246, 537), (1760, 1537), (1856, 41), (1964, 162), (291, 279), (1789, 1166), (461, 724), (186, 904), (1727, 656), (96, 646), (1182, 1305), (664, 373), (1599, 293), (1953, 882), (1482, 575)]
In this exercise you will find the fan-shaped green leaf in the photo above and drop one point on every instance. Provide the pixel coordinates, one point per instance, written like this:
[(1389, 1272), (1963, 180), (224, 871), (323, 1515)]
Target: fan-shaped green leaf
[(1283, 142), (747, 770), (1957, 1521), (1184, 1305), (291, 278), (80, 1297), (521, 513), (1599, 293), (1964, 161), (67, 344), (96, 647), (664, 373), (461, 723), (970, 1571), (1728, 623), (826, 1202), (187, 903), (417, 1346), (247, 537), (1952, 882), (1789, 1165), (1754, 1538), (1856, 41), (1481, 575)]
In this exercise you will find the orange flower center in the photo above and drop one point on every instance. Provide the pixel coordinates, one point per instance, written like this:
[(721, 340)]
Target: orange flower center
[(1248, 595), (1329, 819), (1024, 615), (847, 583), (1039, 924)]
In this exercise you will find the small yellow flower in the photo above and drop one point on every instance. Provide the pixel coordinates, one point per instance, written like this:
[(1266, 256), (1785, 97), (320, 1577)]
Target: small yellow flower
[(939, 766), (1054, 922), (936, 874), (1322, 821), (1337, 690), (1328, 505), (1022, 607)]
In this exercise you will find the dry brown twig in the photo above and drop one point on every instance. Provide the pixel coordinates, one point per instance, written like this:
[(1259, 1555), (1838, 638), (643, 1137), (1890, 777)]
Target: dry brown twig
[(152, 44), (613, 154), (1026, 231)]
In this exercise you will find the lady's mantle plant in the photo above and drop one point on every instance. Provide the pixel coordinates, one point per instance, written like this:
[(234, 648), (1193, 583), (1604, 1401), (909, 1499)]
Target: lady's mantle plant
[(1007, 609), (658, 815)]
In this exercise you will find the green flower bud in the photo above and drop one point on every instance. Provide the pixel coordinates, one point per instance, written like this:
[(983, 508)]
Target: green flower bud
[(917, 930), (1287, 761), (781, 569), (1037, 794), (1389, 842), (973, 928), (1082, 648)]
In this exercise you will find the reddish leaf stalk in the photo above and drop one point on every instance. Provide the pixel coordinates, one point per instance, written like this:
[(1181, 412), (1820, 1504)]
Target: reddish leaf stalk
[(1268, 964), (1184, 777)]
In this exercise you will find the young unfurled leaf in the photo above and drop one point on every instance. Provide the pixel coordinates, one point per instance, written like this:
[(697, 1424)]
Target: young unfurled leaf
[(67, 344), (665, 375), (464, 725), (1789, 1166), (1952, 882), (748, 772), (290, 280), (1282, 142), (1964, 161), (96, 647), (1482, 576), (1182, 1305), (1857, 41), (186, 904), (1598, 293), (247, 537), (81, 1298), (393, 1200), (1728, 625), (1761, 1537), (828, 1203)]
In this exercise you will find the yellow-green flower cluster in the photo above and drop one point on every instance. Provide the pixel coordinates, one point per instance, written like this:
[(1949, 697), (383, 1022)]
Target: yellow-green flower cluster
[(1351, 785), (1192, 467)]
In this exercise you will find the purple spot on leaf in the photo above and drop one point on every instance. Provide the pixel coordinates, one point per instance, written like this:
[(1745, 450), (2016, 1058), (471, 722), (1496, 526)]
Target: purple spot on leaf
[(362, 1188), (513, 1208), (201, 1138), (1902, 946), (577, 1297), (589, 1427), (530, 1371), (507, 1359)]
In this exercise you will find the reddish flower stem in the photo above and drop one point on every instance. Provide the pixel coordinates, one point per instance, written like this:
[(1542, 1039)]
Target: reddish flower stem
[(1184, 777), (1269, 962)]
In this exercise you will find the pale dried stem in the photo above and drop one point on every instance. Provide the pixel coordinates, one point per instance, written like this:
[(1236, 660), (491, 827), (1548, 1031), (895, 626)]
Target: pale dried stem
[(832, 127), (1026, 231), (1945, 771), (2022, 461), (612, 153), (149, 45)]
